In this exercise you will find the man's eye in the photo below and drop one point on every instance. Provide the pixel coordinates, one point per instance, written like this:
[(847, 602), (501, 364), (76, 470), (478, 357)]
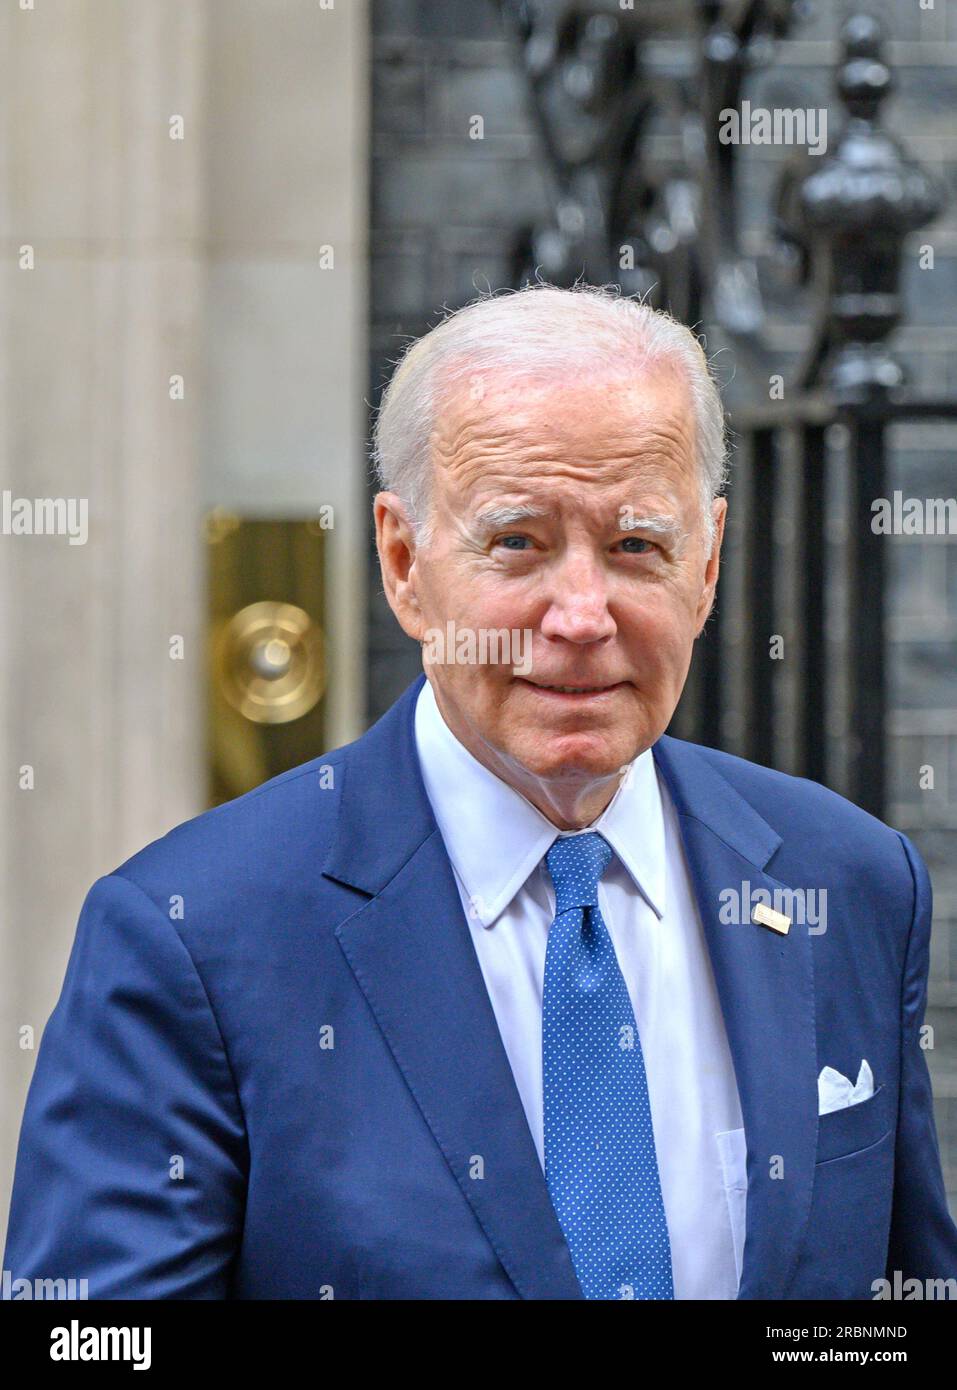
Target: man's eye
[(636, 545), (513, 542)]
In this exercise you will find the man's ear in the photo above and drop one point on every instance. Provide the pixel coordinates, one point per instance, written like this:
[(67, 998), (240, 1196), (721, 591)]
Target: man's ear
[(395, 542), (719, 510)]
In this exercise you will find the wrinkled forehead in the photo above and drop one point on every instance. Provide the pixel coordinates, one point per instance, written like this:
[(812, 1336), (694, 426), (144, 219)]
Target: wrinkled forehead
[(586, 422)]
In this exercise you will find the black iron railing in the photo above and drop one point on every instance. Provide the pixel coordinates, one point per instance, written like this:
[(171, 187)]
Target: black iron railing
[(786, 459)]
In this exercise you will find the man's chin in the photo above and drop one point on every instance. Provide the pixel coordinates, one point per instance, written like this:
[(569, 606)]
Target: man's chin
[(569, 759)]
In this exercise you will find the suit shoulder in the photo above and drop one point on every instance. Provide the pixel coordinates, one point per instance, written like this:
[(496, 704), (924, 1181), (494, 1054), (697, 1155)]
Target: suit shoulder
[(788, 802), (275, 829)]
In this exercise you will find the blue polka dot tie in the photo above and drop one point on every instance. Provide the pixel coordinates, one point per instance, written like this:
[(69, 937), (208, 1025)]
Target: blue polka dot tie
[(600, 1161)]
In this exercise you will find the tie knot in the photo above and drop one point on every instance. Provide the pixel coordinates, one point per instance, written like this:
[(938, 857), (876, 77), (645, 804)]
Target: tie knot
[(576, 863)]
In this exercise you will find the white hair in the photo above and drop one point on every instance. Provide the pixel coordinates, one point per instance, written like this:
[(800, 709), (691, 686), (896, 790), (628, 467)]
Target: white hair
[(535, 332)]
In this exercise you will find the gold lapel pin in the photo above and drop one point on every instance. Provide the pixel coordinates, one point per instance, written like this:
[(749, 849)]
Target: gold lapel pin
[(767, 917)]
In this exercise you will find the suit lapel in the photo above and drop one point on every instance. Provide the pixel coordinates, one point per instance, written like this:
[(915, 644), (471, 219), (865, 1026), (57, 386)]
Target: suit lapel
[(411, 953), (765, 985)]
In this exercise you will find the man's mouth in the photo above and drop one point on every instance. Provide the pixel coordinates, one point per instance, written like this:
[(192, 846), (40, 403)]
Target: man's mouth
[(573, 690)]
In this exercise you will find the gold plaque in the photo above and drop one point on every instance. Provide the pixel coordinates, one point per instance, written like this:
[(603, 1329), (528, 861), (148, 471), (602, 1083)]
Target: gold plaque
[(267, 669)]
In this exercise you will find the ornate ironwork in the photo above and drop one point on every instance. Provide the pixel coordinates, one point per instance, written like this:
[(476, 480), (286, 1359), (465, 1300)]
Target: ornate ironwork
[(848, 217), (602, 76)]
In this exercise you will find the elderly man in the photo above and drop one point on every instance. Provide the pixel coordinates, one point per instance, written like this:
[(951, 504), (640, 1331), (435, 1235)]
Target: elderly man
[(460, 1010)]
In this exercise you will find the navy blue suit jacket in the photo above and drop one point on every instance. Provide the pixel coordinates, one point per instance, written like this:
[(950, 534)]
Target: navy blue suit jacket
[(274, 1063)]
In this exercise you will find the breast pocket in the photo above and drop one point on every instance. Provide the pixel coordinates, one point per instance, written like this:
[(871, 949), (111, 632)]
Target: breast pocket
[(854, 1128), (845, 1244)]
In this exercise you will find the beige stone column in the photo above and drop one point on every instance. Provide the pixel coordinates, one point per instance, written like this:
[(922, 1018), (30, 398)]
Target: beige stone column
[(110, 212)]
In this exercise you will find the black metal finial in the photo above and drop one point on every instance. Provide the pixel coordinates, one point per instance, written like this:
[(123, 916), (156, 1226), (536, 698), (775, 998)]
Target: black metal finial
[(855, 210)]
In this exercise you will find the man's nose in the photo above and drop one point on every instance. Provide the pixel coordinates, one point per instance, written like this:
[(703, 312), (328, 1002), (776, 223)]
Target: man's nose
[(578, 607)]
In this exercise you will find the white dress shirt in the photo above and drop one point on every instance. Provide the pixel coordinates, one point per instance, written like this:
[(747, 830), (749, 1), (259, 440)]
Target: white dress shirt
[(496, 841)]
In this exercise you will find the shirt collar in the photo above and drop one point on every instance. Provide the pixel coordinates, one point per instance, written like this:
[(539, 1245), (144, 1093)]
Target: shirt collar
[(495, 838)]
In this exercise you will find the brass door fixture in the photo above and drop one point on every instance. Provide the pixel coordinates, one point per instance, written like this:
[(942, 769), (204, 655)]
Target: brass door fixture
[(266, 651)]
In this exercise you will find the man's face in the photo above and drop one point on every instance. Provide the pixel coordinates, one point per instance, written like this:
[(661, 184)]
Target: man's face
[(612, 610)]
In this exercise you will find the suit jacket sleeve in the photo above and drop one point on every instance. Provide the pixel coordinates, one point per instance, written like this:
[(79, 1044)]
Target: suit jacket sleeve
[(132, 1161), (923, 1238)]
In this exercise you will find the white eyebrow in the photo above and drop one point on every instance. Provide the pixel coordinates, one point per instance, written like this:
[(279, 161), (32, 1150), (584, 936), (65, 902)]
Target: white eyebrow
[(492, 517), (659, 524)]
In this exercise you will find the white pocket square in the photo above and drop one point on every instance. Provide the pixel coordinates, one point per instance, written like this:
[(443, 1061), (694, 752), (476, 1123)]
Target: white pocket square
[(835, 1092)]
